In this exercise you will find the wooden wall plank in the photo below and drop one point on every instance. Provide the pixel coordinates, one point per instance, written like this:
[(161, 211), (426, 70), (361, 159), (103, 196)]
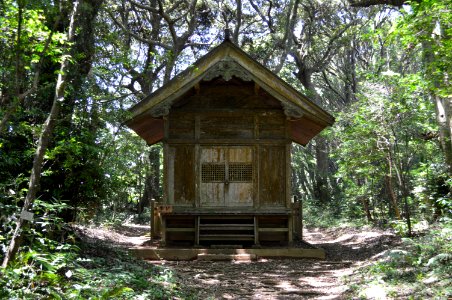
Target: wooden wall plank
[(239, 194), (272, 181), (184, 175)]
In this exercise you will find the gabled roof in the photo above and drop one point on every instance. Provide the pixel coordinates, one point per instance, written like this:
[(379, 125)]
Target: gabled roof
[(227, 60)]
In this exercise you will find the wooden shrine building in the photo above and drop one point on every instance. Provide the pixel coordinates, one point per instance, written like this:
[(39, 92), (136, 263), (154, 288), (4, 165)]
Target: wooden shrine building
[(227, 124)]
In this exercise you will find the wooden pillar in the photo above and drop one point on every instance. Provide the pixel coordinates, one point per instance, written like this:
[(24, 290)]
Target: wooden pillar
[(197, 222), (256, 231), (163, 232), (288, 177), (296, 216), (153, 233), (197, 201), (290, 229), (300, 235)]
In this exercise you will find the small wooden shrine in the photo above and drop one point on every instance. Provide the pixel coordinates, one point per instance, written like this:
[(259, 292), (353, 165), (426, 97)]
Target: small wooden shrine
[(227, 124)]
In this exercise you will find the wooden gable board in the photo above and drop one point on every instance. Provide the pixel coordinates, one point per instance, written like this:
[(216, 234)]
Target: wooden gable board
[(307, 119)]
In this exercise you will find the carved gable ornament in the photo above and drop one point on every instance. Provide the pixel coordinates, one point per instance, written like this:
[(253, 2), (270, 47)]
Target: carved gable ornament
[(226, 68)]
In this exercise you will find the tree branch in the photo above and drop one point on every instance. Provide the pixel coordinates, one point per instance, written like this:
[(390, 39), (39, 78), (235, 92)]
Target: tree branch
[(235, 36), (368, 3), (263, 17), (288, 34), (136, 36), (328, 83), (34, 86), (331, 45)]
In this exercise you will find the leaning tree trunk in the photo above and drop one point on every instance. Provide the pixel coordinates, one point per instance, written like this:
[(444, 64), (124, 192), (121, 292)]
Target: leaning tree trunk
[(44, 138), (84, 45)]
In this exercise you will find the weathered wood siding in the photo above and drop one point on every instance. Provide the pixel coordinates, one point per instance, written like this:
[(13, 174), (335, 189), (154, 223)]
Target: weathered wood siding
[(182, 126), (227, 125), (213, 166), (235, 129), (182, 175), (272, 171), (227, 177)]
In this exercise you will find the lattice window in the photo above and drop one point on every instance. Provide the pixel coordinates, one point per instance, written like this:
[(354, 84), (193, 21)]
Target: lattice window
[(213, 172), (241, 172)]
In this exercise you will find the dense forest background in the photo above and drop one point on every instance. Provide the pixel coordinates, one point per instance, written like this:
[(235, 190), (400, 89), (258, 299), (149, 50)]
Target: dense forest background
[(70, 69)]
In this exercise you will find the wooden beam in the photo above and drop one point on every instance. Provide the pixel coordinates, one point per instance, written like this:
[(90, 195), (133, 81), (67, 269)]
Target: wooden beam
[(197, 87), (231, 142), (192, 253), (256, 89)]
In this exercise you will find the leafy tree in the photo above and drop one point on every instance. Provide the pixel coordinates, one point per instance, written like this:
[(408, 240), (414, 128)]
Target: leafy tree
[(427, 25), (383, 146), (45, 135)]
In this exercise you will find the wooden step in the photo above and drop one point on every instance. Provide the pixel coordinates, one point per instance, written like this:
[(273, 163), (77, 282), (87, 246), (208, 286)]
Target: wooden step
[(177, 229), (227, 217), (225, 246), (268, 229), (226, 237), (226, 257), (226, 227)]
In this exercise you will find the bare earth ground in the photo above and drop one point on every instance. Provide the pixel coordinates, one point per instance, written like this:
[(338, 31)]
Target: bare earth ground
[(347, 250)]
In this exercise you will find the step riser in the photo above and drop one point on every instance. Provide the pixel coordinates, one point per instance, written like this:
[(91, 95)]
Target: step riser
[(227, 257), (230, 229)]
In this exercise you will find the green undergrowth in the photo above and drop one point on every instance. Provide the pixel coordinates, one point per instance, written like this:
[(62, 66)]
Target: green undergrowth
[(326, 218), (89, 272), (420, 268), (55, 263)]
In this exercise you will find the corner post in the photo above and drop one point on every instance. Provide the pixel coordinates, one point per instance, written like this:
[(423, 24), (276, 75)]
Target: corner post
[(152, 223)]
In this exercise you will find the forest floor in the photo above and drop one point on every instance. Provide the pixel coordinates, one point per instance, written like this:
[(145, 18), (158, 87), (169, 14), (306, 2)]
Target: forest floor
[(347, 250)]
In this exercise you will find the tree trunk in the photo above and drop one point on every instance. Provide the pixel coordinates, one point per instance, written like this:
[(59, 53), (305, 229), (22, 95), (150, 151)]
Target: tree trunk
[(444, 119), (321, 190), (44, 138), (365, 202), (443, 105), (392, 194), (320, 180), (407, 214), (84, 48), (152, 184)]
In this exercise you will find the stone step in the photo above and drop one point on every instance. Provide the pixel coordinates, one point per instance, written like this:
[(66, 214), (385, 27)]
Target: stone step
[(226, 257)]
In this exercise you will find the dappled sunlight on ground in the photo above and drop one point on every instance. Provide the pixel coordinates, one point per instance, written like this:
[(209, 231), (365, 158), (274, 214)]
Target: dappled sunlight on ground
[(347, 249), (264, 279), (126, 234)]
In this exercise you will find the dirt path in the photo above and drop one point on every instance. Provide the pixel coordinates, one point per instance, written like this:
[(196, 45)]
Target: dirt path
[(347, 249)]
